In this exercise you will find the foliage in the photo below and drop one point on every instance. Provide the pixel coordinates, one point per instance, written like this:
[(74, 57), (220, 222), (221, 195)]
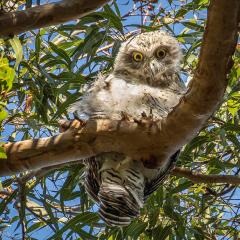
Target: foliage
[(57, 62), (6, 80)]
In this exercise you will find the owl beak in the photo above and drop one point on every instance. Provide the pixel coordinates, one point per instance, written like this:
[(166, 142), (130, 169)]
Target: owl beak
[(154, 68)]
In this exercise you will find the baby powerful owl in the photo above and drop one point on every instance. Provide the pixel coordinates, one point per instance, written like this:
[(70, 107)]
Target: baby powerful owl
[(143, 82)]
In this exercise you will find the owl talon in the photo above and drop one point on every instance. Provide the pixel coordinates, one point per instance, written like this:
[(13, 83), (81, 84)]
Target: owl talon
[(137, 121), (146, 120), (148, 124), (125, 116), (64, 125), (144, 115), (147, 117)]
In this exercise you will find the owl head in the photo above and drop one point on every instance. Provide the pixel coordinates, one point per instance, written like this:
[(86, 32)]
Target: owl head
[(150, 58)]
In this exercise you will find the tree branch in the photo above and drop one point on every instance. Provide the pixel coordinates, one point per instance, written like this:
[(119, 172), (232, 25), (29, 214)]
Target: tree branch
[(177, 171), (202, 178), (46, 15), (155, 141)]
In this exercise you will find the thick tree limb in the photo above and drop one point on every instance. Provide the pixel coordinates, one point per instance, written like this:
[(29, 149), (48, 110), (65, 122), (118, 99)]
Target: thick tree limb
[(202, 178), (46, 15), (157, 141)]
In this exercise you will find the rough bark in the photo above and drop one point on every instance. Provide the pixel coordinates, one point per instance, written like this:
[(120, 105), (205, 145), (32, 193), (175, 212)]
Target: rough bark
[(46, 15), (157, 141)]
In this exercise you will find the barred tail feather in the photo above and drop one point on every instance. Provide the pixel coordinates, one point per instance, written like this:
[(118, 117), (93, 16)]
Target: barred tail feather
[(117, 205), (113, 218)]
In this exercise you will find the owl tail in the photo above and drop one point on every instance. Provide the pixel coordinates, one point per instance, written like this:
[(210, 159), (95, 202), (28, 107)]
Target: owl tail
[(117, 205)]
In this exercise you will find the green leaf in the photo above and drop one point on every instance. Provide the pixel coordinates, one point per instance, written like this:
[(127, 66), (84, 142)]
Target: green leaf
[(36, 226), (38, 46), (17, 47), (114, 19), (193, 25), (6, 75), (3, 115), (169, 210), (81, 219), (60, 52), (3, 155), (160, 233), (181, 187), (135, 229)]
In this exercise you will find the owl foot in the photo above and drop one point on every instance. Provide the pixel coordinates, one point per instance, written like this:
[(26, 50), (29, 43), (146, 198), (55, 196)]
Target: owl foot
[(147, 117), (146, 120), (125, 116), (64, 125)]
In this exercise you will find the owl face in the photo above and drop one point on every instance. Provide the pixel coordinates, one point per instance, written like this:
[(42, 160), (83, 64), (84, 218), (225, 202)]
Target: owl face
[(150, 58)]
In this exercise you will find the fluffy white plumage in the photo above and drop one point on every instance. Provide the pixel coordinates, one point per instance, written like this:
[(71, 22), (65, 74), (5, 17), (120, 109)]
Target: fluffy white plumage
[(112, 95), (144, 80)]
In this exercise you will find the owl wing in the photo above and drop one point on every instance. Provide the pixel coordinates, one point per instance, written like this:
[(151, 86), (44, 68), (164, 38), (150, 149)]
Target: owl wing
[(155, 105), (161, 101), (91, 179), (153, 185)]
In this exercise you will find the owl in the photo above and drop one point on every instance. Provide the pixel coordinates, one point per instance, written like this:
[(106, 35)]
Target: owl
[(144, 82)]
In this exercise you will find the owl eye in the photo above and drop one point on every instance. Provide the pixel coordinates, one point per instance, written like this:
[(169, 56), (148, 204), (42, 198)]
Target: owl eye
[(137, 56), (161, 53)]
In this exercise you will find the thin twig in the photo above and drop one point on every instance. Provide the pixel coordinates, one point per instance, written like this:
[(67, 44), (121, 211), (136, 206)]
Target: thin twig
[(201, 178)]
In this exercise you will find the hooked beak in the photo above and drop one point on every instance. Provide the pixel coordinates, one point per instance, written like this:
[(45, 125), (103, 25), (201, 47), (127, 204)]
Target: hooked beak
[(154, 67)]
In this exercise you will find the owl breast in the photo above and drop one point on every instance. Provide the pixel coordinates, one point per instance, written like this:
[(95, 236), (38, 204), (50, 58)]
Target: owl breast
[(117, 96)]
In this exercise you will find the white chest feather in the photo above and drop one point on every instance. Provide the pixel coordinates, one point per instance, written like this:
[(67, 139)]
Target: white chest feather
[(113, 96)]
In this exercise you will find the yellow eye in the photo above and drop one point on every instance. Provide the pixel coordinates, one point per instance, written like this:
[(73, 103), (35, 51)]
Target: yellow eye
[(161, 53), (137, 56)]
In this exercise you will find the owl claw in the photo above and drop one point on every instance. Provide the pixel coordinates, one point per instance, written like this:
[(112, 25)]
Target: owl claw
[(144, 114), (147, 117), (146, 120), (64, 125), (145, 123), (125, 116)]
